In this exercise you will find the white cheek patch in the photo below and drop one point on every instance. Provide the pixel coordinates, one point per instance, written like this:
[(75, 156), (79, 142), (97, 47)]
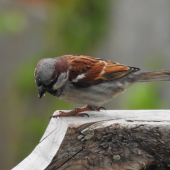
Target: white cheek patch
[(81, 76), (61, 81)]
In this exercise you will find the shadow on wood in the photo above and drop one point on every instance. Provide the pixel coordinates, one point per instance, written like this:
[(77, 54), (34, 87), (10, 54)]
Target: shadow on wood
[(119, 140)]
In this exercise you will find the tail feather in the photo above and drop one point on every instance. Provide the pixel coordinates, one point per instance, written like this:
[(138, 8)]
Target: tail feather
[(148, 76)]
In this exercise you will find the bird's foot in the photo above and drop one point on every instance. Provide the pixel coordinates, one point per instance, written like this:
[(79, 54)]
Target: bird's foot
[(77, 111)]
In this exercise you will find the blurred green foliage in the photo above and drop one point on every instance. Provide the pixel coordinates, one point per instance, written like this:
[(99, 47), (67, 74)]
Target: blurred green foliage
[(12, 22), (76, 27), (143, 96), (23, 77)]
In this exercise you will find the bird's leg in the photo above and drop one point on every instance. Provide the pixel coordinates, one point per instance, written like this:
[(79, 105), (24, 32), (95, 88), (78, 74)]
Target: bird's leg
[(74, 112)]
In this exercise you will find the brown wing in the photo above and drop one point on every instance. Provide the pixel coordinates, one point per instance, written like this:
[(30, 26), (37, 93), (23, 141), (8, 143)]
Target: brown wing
[(86, 71)]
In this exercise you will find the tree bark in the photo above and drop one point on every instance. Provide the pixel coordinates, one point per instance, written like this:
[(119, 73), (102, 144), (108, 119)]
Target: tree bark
[(119, 140)]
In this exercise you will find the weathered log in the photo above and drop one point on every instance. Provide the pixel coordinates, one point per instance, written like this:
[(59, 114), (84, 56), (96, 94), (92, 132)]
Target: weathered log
[(119, 140)]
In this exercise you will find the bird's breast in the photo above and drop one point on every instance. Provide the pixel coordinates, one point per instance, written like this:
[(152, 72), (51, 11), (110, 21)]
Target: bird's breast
[(95, 94)]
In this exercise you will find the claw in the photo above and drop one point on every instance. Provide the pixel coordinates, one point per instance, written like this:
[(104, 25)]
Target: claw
[(102, 108), (85, 114), (99, 108)]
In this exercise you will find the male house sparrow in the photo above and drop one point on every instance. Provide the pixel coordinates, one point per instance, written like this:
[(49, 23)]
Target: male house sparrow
[(87, 80)]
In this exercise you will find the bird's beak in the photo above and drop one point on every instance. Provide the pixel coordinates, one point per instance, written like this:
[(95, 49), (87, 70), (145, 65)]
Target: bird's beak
[(41, 91)]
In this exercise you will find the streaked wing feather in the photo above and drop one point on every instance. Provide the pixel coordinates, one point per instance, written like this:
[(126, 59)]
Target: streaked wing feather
[(86, 71)]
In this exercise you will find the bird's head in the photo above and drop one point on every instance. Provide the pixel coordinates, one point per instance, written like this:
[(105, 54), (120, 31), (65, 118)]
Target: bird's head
[(50, 74)]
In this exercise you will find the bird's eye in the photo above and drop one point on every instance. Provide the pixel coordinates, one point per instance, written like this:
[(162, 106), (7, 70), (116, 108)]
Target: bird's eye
[(53, 82), (38, 82)]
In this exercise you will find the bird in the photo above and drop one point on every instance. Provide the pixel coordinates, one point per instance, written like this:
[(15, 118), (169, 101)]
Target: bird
[(88, 80)]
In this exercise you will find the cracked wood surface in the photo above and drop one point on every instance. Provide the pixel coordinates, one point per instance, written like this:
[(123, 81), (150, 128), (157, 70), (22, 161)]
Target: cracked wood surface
[(119, 140)]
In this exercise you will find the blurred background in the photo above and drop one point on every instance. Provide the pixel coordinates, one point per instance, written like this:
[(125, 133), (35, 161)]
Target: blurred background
[(134, 33)]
